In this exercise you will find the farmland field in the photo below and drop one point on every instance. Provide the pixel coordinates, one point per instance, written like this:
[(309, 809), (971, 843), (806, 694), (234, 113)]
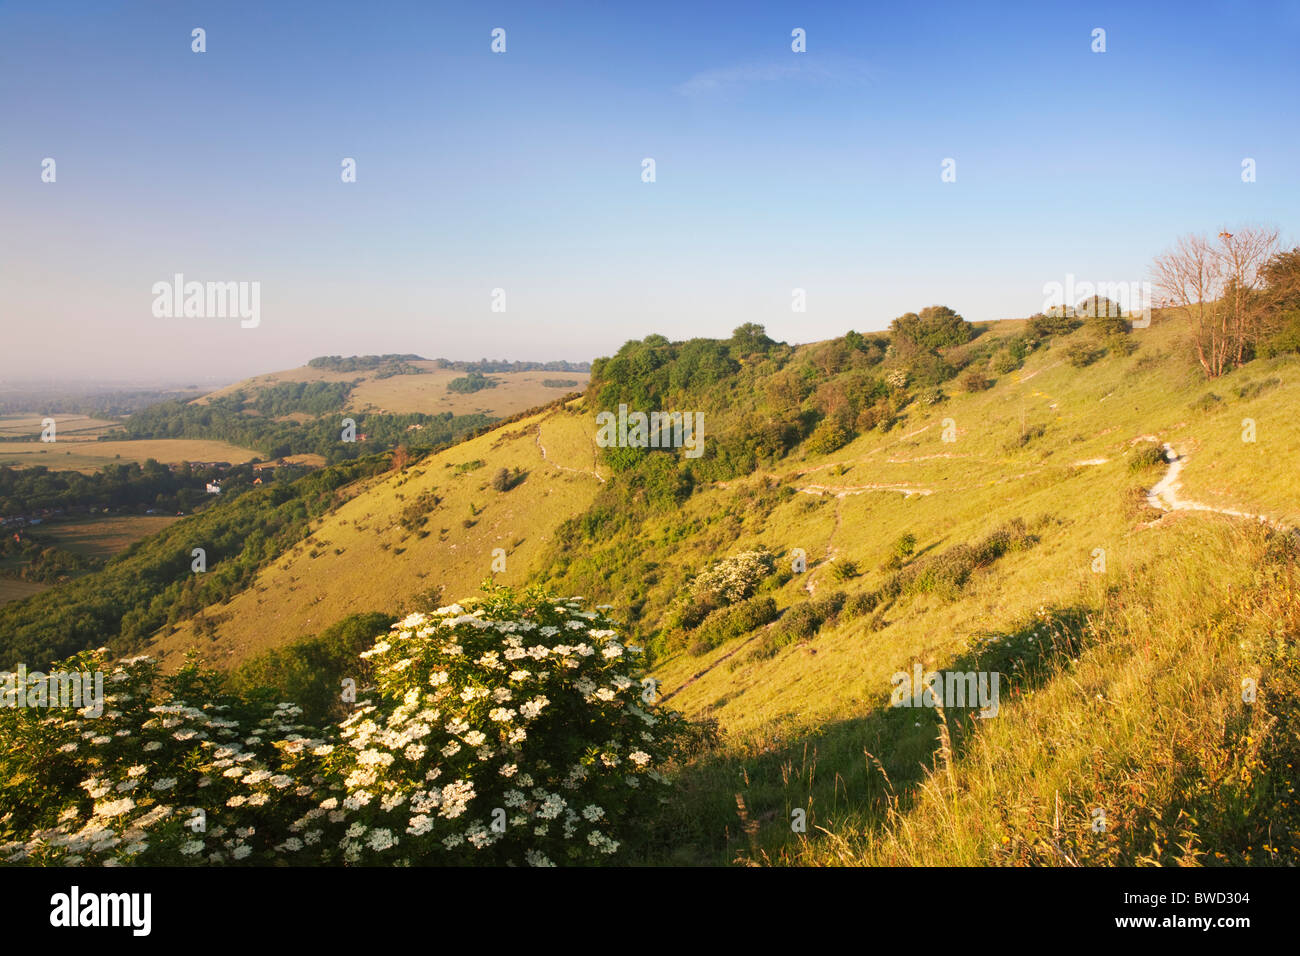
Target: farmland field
[(11, 590), (105, 536), (426, 393), (90, 456), (67, 427)]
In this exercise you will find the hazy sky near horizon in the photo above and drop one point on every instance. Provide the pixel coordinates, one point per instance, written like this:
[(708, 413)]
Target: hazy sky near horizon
[(522, 171)]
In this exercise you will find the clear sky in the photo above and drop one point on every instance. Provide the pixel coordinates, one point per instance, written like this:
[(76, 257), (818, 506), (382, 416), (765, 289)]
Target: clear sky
[(775, 170)]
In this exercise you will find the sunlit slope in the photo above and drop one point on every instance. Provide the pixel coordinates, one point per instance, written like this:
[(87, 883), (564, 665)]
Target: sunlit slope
[(1068, 477), (376, 553)]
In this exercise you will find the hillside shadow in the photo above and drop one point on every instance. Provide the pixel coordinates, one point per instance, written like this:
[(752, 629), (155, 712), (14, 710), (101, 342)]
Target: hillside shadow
[(735, 798)]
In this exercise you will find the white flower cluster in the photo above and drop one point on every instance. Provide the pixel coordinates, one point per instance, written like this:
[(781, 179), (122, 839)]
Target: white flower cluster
[(508, 732), (468, 751), (735, 578), (155, 783)]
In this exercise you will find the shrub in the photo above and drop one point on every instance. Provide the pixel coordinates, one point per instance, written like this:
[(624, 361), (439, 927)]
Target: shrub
[(1255, 389), (309, 671), (946, 574), (505, 479), (725, 623), (1044, 326), (529, 705), (1108, 325), (413, 517), (1025, 437), (1149, 456), (904, 545), (843, 570), (802, 621), (828, 436), (862, 603), (1207, 402), (1284, 338), (1012, 354), (473, 382), (1123, 346), (975, 381), (735, 578), (1082, 354)]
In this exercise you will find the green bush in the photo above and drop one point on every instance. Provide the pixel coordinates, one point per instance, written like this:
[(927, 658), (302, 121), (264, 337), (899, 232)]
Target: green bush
[(862, 603), (1107, 325), (1148, 456), (802, 621), (947, 573), (1045, 326), (1255, 389), (827, 437), (505, 479), (904, 545), (1122, 346), (310, 671), (843, 570), (1082, 354), (725, 623)]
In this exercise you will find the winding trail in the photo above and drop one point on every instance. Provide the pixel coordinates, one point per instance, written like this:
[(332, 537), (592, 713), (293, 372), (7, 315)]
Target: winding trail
[(577, 471), (1164, 495)]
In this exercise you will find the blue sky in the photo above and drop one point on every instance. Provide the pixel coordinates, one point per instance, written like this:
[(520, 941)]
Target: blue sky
[(522, 171)]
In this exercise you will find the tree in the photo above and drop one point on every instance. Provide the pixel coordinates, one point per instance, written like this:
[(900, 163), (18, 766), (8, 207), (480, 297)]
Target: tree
[(1214, 284), (936, 327), (1098, 306), (750, 338)]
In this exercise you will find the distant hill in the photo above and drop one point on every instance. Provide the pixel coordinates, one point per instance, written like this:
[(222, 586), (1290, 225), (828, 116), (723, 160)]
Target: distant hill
[(408, 384)]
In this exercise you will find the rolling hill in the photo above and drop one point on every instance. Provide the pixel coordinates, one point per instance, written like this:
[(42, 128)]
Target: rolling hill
[(421, 387), (1066, 512)]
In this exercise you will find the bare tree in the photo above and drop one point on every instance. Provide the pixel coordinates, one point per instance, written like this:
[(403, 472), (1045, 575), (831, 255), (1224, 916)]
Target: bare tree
[(1213, 284), (1243, 255)]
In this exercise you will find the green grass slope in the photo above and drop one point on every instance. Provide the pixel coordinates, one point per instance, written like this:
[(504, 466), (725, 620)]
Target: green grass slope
[(1002, 525)]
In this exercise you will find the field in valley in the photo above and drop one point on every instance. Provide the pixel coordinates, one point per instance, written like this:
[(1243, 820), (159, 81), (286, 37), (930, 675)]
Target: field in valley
[(13, 590), (79, 428), (105, 535), (90, 456)]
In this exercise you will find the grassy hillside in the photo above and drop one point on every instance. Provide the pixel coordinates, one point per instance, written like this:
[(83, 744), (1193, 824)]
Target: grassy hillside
[(433, 525), (864, 507)]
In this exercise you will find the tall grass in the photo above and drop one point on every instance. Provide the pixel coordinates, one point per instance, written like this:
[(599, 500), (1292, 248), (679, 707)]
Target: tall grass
[(1122, 738)]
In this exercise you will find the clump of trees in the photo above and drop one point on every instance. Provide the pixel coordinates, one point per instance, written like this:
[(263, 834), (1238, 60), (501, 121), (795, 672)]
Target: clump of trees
[(473, 382), (1235, 289)]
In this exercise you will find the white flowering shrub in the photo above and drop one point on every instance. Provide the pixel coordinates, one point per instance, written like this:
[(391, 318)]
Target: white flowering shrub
[(503, 733), (735, 578), (172, 771), (506, 731)]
